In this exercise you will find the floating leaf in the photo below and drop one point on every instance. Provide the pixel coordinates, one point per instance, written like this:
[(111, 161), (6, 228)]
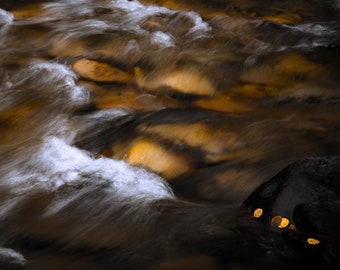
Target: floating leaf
[(258, 212)]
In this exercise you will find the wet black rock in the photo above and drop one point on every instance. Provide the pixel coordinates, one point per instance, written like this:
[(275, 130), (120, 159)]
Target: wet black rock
[(306, 194)]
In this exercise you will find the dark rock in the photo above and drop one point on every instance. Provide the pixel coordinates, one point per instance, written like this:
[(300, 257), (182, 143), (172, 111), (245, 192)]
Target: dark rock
[(307, 193)]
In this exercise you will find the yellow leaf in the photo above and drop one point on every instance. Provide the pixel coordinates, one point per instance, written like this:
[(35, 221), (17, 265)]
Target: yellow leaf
[(284, 223), (258, 212), (280, 222), (313, 241)]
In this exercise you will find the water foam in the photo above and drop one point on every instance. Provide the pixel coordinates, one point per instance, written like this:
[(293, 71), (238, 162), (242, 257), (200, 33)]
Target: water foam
[(108, 114), (315, 29), (6, 17), (131, 15), (6, 20), (12, 256), (139, 12), (62, 78), (201, 28), (162, 39), (56, 163)]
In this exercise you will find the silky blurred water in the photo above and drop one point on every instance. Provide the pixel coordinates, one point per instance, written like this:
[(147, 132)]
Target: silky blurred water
[(216, 97)]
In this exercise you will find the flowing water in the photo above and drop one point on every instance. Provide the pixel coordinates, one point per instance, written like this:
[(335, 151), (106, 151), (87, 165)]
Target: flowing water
[(110, 107)]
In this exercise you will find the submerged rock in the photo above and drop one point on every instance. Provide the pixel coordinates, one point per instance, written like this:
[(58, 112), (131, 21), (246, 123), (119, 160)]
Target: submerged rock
[(99, 72), (214, 143), (155, 158), (183, 80), (223, 103), (283, 17), (295, 64), (29, 12)]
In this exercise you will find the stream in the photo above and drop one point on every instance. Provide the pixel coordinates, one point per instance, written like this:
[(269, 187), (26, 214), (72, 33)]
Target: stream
[(132, 131)]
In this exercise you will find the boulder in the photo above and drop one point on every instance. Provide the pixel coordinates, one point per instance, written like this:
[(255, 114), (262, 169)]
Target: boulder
[(307, 195), (186, 81), (154, 157), (99, 71)]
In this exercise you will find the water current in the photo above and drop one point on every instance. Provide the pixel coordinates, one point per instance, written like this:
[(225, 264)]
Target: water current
[(126, 125)]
